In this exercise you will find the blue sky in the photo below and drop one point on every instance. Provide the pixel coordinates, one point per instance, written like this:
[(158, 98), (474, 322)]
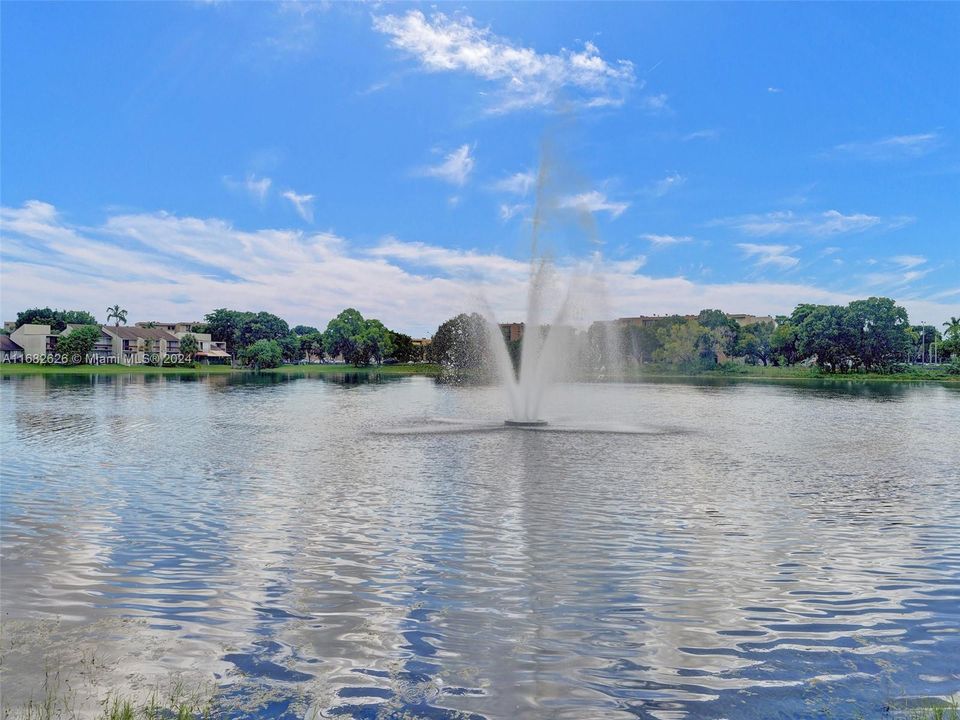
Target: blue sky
[(299, 158)]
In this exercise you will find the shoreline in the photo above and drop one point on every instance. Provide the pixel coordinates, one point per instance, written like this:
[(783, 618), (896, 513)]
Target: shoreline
[(748, 373)]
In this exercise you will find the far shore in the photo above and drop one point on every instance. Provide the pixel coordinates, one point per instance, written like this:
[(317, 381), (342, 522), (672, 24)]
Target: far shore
[(647, 372)]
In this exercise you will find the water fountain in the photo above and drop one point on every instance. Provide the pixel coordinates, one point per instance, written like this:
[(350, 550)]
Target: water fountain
[(550, 348)]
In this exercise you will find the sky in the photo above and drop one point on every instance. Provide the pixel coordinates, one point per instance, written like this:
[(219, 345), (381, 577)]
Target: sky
[(300, 158)]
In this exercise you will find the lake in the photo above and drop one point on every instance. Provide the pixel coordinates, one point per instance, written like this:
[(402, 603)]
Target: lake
[(330, 547)]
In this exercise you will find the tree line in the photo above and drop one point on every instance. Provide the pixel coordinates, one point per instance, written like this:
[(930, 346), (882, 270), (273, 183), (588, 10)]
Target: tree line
[(872, 335)]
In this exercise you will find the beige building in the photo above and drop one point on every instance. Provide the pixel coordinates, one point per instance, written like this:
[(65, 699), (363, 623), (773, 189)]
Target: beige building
[(421, 346)]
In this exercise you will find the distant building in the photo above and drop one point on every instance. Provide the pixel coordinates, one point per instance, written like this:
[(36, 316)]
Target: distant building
[(35, 340), (176, 327), (642, 320), (512, 331), (9, 350), (129, 344), (745, 319), (421, 346)]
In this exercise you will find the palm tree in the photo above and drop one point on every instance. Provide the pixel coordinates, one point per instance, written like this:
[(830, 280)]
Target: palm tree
[(118, 314), (953, 328)]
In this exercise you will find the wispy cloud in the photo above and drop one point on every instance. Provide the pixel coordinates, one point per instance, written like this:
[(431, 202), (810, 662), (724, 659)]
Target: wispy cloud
[(256, 188), (825, 224), (908, 261), (159, 264), (593, 202), (671, 182), (455, 168), (518, 184), (777, 255), (655, 104), (708, 134), (665, 240), (774, 90), (508, 211), (523, 77), (893, 147), (303, 204)]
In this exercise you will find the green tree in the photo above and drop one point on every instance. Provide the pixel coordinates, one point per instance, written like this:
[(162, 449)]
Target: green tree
[(403, 349), (755, 342), (77, 344), (952, 326), (262, 326), (783, 343), (290, 345), (684, 344), (304, 330), (827, 334), (117, 314), (880, 332), (262, 354), (311, 345), (725, 331), (56, 319), (224, 326), (460, 345), (189, 345), (342, 336), (375, 341)]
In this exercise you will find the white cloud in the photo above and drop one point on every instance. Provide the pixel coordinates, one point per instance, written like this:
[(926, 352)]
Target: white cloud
[(909, 261), (518, 184), (825, 224), (303, 204), (655, 104), (774, 90), (671, 182), (524, 77), (257, 188), (664, 240), (778, 255), (593, 202), (508, 212), (159, 265), (708, 134), (455, 169), (893, 147)]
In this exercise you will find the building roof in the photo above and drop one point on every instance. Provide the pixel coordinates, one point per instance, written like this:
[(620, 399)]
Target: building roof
[(8, 345), (212, 354), (140, 333)]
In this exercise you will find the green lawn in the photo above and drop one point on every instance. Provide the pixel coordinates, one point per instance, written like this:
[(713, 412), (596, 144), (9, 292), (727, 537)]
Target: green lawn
[(34, 369), (415, 369), (760, 372)]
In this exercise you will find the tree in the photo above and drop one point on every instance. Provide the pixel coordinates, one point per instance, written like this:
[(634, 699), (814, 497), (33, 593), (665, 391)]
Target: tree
[(880, 331), (952, 326), (311, 345), (290, 345), (262, 326), (77, 344), (56, 319), (341, 335), (262, 354), (375, 341), (189, 345), (403, 349), (224, 326), (684, 344), (783, 343), (726, 330), (118, 314), (304, 330), (755, 342), (827, 334), (460, 345)]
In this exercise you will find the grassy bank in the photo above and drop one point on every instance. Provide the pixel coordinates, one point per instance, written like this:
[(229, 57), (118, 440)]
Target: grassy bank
[(415, 369), (35, 369), (760, 372)]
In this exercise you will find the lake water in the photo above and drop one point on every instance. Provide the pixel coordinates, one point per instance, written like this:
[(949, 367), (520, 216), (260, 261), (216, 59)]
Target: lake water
[(322, 548)]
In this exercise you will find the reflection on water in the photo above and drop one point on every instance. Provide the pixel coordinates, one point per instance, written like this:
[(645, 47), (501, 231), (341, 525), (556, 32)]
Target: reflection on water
[(734, 551)]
